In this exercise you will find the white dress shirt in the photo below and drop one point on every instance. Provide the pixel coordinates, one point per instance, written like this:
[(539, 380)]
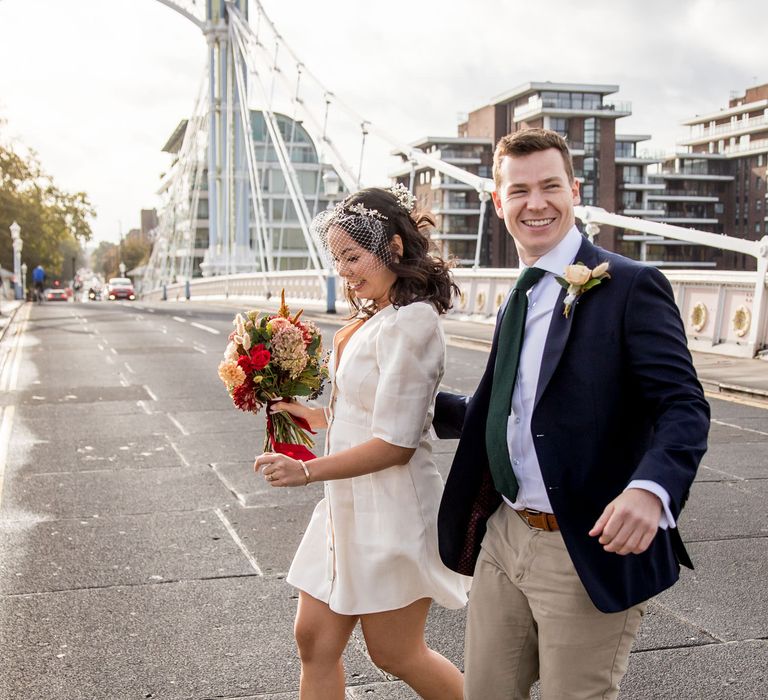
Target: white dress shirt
[(542, 298)]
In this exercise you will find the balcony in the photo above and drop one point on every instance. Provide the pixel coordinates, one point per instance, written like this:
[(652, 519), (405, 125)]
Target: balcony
[(680, 220), (682, 196), (456, 156), (472, 209), (696, 176), (722, 131), (739, 149), (640, 183), (644, 212), (537, 106)]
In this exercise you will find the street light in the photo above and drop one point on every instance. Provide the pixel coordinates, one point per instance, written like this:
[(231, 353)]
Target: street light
[(331, 189), (18, 244)]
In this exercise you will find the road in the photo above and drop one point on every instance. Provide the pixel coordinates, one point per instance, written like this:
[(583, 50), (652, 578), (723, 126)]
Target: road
[(140, 557)]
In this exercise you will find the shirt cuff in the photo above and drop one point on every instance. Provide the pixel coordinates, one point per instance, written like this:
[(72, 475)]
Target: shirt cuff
[(666, 520)]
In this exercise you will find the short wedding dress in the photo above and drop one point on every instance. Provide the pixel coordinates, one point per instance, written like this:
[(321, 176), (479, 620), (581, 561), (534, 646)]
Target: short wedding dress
[(371, 544)]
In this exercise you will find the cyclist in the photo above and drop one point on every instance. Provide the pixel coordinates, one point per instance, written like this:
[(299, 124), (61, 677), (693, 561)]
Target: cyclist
[(38, 280)]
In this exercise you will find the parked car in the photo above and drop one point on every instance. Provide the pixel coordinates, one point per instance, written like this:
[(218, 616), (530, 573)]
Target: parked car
[(120, 288), (56, 294)]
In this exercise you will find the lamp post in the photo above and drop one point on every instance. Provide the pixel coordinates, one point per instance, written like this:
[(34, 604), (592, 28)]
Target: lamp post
[(18, 244), (331, 188)]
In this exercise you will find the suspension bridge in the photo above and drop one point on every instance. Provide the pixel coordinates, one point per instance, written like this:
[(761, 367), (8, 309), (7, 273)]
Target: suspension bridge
[(270, 145)]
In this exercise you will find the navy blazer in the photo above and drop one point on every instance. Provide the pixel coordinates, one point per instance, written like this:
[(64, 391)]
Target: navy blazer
[(618, 399)]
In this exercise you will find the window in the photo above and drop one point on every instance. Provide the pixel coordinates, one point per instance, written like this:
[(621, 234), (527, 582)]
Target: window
[(560, 125), (625, 149)]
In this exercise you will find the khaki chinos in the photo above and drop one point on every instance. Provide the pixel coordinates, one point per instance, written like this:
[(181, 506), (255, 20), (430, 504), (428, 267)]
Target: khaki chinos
[(530, 617)]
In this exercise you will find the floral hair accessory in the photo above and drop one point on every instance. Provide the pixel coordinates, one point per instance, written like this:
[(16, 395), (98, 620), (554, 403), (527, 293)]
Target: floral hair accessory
[(403, 196), (362, 210), (577, 279)]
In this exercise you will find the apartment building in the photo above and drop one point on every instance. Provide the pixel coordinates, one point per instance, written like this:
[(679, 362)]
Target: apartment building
[(461, 219)]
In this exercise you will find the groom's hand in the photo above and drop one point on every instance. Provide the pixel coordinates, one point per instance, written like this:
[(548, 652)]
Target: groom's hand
[(629, 522)]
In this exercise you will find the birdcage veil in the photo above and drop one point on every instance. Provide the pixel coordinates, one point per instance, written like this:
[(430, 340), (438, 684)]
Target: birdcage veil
[(351, 224), (348, 231)]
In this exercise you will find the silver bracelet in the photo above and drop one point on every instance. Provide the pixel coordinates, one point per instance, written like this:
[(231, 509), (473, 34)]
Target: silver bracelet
[(306, 471)]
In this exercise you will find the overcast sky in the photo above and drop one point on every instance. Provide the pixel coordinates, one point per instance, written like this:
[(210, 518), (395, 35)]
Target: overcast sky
[(97, 86)]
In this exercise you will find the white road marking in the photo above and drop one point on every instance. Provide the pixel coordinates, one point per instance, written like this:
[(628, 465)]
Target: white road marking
[(5, 439), (178, 452), (13, 362), (150, 392), (738, 427), (207, 329), (181, 428), (251, 559), (129, 368), (179, 319), (144, 407)]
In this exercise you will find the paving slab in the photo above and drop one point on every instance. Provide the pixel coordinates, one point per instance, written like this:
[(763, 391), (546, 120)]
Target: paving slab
[(724, 433), (389, 690), (252, 490), (129, 424), (272, 533), (725, 595), (56, 555), (742, 458), (662, 628), (93, 453), (224, 420), (205, 448), (725, 510), (128, 491), (141, 642), (734, 671), (81, 394)]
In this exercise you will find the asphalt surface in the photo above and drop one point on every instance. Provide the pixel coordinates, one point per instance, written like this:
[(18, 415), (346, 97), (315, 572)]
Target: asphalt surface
[(140, 557)]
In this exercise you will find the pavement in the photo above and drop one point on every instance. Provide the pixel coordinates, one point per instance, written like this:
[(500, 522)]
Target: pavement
[(139, 558)]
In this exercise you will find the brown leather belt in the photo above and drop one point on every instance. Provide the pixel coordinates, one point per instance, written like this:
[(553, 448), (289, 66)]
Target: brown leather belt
[(538, 520)]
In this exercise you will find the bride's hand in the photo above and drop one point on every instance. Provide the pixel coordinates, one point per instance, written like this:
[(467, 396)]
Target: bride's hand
[(281, 470), (314, 416)]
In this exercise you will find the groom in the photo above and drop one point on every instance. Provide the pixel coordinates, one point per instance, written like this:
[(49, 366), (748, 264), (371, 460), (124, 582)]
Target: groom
[(573, 468)]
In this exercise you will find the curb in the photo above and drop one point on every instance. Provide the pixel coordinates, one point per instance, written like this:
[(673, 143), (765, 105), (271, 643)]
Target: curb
[(5, 326), (734, 390)]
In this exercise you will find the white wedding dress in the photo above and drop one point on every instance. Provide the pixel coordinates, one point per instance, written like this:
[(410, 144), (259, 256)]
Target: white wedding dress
[(371, 544)]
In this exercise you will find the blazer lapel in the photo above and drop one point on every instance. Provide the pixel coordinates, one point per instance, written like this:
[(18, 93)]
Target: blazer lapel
[(560, 326)]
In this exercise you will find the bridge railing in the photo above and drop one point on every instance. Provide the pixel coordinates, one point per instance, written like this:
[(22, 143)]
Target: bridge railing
[(718, 308)]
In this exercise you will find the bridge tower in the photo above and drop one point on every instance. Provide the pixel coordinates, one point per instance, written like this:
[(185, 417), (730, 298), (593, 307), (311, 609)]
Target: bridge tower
[(229, 249)]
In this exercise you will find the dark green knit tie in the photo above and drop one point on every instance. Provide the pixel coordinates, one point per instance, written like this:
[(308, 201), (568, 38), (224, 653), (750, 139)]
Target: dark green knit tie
[(504, 374)]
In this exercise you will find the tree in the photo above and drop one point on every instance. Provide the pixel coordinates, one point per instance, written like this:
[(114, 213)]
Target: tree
[(53, 222)]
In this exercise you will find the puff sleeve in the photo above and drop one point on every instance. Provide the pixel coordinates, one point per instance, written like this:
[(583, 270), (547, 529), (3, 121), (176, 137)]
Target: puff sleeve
[(410, 351)]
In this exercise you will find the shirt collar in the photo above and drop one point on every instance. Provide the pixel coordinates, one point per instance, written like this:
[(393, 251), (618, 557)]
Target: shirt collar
[(563, 254)]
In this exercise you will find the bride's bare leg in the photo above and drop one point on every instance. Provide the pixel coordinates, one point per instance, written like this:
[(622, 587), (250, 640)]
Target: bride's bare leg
[(395, 641), (321, 636)]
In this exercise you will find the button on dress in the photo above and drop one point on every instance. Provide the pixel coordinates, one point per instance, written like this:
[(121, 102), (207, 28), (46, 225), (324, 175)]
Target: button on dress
[(371, 544)]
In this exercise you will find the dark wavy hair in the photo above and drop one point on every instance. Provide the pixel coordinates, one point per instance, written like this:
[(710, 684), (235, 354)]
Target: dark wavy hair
[(421, 274)]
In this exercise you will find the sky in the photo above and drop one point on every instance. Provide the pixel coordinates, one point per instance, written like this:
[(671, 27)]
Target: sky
[(96, 87)]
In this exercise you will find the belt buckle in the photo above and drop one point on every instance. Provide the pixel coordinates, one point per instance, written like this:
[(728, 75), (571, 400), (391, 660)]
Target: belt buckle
[(540, 517)]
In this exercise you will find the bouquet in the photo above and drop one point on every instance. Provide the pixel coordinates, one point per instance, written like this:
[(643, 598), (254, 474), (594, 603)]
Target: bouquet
[(270, 358)]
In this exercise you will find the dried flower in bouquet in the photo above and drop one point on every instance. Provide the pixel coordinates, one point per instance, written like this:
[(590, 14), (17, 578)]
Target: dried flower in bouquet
[(274, 357)]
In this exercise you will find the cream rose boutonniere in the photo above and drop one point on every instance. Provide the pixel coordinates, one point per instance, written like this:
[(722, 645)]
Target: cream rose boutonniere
[(577, 279)]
